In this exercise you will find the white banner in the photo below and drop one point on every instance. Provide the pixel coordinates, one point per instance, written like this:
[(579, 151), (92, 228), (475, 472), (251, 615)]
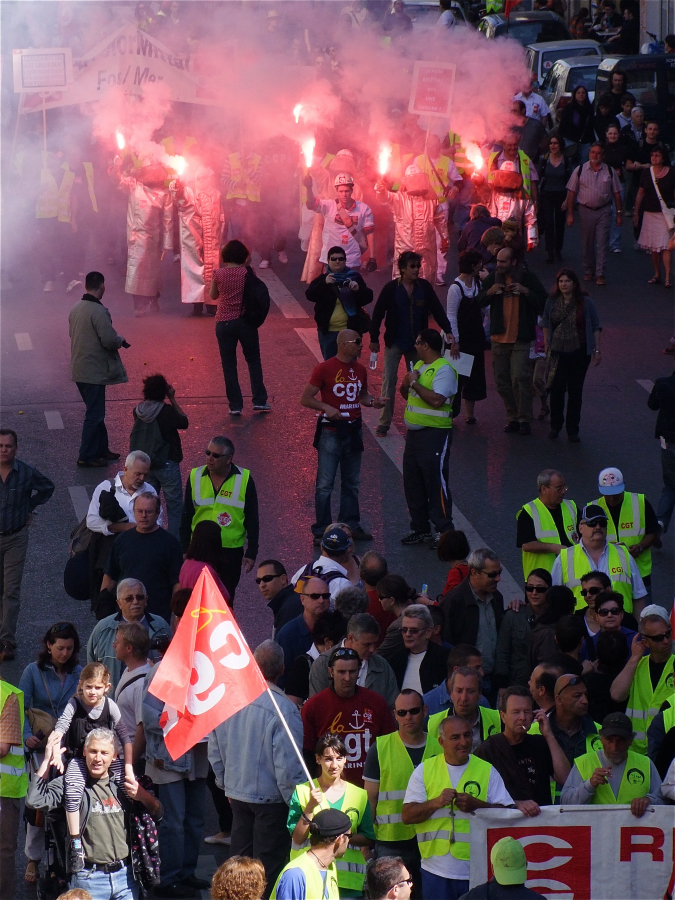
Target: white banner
[(583, 852)]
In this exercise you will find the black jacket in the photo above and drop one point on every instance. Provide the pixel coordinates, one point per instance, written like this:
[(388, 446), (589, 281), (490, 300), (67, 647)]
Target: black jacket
[(285, 606), (433, 669), (461, 614), (386, 309), (662, 399), (323, 296), (529, 308)]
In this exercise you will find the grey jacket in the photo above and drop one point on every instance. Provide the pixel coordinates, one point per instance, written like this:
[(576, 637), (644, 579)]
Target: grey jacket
[(380, 677), (100, 643), (94, 344), (511, 655), (251, 755)]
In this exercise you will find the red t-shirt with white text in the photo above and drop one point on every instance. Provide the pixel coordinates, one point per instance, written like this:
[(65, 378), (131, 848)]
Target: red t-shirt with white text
[(341, 385)]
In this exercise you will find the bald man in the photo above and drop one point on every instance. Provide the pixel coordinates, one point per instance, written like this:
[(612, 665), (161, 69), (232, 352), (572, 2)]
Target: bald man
[(296, 637), (337, 389)]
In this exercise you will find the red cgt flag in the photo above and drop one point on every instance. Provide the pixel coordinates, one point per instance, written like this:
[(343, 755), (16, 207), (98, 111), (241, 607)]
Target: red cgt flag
[(208, 673), (510, 5)]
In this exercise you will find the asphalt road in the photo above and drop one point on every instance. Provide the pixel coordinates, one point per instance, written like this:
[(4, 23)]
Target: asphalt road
[(492, 473)]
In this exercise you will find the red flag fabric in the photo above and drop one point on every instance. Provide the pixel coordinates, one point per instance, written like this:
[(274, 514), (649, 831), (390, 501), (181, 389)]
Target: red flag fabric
[(510, 4), (208, 673)]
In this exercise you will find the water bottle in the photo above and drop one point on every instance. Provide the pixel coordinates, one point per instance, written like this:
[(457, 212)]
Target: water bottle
[(373, 360)]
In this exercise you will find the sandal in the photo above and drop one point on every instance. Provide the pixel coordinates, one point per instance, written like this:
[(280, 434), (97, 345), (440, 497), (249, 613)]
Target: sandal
[(32, 871), (655, 280)]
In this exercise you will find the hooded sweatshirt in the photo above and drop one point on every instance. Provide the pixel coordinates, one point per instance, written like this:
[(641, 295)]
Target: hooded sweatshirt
[(169, 422)]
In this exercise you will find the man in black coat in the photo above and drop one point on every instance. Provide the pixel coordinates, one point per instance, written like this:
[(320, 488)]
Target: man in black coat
[(404, 304), (662, 399), (417, 662)]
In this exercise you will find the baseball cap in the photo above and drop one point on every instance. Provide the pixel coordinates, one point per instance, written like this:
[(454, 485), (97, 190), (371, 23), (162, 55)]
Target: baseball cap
[(590, 512), (616, 724), (566, 681), (610, 481), (330, 823), (655, 610), (508, 861), (335, 541)]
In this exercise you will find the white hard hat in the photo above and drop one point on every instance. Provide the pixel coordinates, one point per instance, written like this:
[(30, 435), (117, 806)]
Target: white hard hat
[(610, 481), (343, 178), (413, 169)]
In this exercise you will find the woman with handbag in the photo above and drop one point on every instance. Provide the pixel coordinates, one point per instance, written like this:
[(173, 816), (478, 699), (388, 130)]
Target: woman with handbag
[(47, 686), (656, 198)]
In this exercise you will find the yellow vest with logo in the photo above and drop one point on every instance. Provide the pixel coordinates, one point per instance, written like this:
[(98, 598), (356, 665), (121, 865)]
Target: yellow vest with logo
[(433, 835), (546, 532), (417, 412), (351, 868), (593, 743), (13, 775), (227, 509), (575, 563), (315, 887), (668, 718), (525, 171), (631, 526), (395, 770), (490, 723), (441, 167), (644, 702), (243, 186), (634, 783)]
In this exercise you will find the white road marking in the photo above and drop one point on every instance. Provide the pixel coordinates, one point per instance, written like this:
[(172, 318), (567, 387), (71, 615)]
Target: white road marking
[(23, 341), (283, 298), (80, 498), (647, 385), (54, 420), (393, 445)]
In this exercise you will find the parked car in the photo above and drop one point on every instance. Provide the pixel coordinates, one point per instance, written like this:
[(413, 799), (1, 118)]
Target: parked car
[(651, 79), (566, 75), (425, 14), (526, 27), (540, 57)]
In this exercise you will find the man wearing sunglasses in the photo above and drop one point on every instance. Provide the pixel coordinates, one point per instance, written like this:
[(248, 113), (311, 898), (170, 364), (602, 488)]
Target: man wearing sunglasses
[(647, 681), (547, 524), (295, 638), (387, 877), (594, 553), (281, 596)]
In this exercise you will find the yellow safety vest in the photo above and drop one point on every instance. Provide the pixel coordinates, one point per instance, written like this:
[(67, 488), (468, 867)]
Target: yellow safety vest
[(243, 187), (13, 775), (644, 702), (433, 835), (458, 153), (315, 887), (417, 412), (668, 718), (490, 723), (635, 782), (395, 770), (593, 743), (631, 526), (575, 563), (351, 868), (53, 200), (546, 532), (441, 167), (227, 509), (525, 171)]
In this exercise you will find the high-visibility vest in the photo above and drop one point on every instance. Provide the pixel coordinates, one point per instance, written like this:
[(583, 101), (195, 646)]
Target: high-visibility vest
[(545, 531), (635, 781), (593, 743), (490, 723), (433, 835), (525, 170), (458, 153), (315, 887), (644, 702), (395, 770), (351, 868), (13, 775), (575, 563), (417, 412), (668, 718), (441, 167), (54, 200), (399, 162), (243, 187), (493, 6), (631, 526), (227, 509)]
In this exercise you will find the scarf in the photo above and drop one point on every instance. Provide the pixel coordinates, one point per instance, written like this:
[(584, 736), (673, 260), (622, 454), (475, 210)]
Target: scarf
[(564, 334)]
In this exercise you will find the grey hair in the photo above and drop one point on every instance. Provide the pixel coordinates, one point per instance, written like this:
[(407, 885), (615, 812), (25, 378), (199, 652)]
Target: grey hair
[(419, 611), (466, 672), (102, 734), (363, 623), (351, 600), (270, 658), (129, 582), (653, 619), (477, 558), (225, 443), (544, 478), (137, 456), (144, 495)]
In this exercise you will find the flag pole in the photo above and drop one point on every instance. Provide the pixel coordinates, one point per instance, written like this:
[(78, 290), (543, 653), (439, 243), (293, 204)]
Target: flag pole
[(292, 740)]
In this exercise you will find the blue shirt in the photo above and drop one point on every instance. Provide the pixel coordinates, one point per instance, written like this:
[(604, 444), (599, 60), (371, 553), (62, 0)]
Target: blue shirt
[(294, 638), (628, 633), (292, 886), (438, 700)]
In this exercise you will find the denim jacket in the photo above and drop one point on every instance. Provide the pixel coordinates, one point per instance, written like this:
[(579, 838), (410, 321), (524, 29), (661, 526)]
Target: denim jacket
[(155, 750), (251, 755), (35, 695)]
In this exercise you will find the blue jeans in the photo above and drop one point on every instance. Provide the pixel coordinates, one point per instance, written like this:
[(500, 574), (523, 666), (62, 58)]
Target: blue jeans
[(180, 831), (615, 231), (228, 335), (436, 888), (328, 343), (94, 442), (337, 451), (169, 480), (116, 886), (664, 510)]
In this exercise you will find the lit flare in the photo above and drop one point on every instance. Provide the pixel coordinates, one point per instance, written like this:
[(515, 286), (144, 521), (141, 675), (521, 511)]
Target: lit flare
[(178, 164), (474, 156), (297, 109), (385, 156), (121, 143), (308, 151)]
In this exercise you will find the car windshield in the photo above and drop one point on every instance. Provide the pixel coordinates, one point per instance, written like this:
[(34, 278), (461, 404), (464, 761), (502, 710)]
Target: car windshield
[(581, 75), (535, 32), (552, 56)]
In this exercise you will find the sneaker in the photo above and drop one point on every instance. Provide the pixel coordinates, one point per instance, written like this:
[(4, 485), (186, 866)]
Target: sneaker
[(49, 286), (616, 250), (264, 264), (601, 279), (435, 538), (525, 428), (512, 428), (235, 412), (109, 454), (75, 855), (359, 534), (417, 537), (283, 258), (72, 284), (262, 407), (381, 431)]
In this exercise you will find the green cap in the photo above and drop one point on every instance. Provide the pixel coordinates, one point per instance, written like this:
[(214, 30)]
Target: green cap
[(508, 861)]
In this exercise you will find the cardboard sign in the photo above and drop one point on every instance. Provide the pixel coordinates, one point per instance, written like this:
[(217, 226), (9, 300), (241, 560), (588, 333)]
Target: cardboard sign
[(42, 70), (432, 88)]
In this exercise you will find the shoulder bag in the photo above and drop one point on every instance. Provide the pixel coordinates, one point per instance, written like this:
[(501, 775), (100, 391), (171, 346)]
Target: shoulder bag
[(668, 213), (39, 720)]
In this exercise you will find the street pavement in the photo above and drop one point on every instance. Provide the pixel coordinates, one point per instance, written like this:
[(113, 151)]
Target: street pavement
[(492, 473)]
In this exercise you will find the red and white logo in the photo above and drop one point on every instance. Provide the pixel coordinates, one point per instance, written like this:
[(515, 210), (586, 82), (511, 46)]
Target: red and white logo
[(224, 519)]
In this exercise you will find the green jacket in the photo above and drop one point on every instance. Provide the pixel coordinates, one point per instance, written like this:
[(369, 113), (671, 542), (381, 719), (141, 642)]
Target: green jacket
[(529, 309)]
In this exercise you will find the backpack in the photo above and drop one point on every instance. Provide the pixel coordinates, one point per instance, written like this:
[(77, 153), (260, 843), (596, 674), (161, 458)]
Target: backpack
[(146, 436), (144, 842), (256, 300), (311, 570)]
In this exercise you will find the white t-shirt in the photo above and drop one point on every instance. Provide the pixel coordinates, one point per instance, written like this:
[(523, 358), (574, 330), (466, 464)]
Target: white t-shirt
[(130, 699), (535, 105), (328, 565), (448, 866), (411, 679), (336, 234), (445, 383)]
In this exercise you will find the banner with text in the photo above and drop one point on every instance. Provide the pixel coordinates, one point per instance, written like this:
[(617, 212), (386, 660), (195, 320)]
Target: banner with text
[(584, 852)]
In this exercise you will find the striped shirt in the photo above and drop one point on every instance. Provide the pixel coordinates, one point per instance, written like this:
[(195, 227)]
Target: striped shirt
[(17, 500), (594, 188), (230, 282)]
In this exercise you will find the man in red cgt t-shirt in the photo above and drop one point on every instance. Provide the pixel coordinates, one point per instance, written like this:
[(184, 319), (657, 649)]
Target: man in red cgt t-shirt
[(337, 388), (354, 713)]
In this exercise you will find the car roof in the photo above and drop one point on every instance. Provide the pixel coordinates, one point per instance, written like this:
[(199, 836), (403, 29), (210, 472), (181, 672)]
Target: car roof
[(539, 15), (558, 45), (576, 61)]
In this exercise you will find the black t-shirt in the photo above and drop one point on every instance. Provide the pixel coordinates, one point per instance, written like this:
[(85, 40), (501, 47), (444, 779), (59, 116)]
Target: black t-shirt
[(371, 769), (526, 533), (650, 202), (641, 151), (534, 761), (615, 156), (655, 672), (154, 558)]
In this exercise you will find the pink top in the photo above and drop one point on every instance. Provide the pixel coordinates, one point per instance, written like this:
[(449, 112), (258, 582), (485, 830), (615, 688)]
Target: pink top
[(230, 283), (192, 569)]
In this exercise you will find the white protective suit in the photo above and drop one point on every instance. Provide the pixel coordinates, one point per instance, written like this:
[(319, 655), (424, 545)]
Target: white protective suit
[(514, 206), (202, 228), (149, 233)]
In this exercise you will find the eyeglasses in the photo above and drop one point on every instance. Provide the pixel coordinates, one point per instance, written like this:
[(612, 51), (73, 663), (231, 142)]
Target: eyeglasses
[(402, 713), (411, 630), (559, 488), (131, 597), (573, 682), (592, 591), (592, 523), (346, 653), (325, 596), (337, 259), (491, 574), (614, 611), (356, 341), (657, 638), (266, 578), (535, 589), (407, 881), (418, 342), (215, 455)]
